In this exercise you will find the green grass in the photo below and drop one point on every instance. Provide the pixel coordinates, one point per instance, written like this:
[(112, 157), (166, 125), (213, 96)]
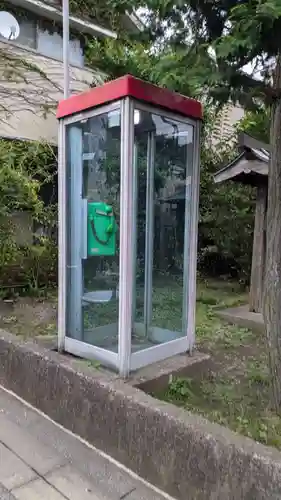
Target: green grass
[(211, 297), (233, 388), (238, 400)]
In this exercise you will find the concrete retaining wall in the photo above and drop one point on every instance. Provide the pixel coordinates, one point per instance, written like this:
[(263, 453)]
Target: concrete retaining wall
[(181, 453)]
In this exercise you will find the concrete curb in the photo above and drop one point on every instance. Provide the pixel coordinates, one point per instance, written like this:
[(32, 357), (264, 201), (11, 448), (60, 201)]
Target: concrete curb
[(241, 316), (181, 453)]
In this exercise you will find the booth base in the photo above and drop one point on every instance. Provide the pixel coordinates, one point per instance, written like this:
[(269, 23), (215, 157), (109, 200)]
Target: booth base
[(106, 337)]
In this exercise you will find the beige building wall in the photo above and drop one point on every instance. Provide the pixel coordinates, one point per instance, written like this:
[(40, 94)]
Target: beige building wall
[(224, 126), (30, 87)]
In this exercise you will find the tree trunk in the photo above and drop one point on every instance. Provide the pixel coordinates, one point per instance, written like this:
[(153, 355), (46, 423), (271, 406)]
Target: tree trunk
[(272, 288), (258, 256)]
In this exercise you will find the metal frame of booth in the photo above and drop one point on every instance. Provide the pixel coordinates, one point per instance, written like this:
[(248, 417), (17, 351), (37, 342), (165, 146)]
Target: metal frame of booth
[(92, 104)]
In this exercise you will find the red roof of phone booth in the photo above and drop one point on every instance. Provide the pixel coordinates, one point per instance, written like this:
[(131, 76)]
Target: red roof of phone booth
[(133, 87)]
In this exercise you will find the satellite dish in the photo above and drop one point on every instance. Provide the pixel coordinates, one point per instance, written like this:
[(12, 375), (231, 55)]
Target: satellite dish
[(9, 27)]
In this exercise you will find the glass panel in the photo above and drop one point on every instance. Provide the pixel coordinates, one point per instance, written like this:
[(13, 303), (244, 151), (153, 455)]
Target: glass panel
[(96, 151), (164, 149)]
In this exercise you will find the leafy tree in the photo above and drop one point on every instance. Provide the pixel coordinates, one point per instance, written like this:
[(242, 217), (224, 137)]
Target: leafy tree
[(167, 66), (231, 50), (223, 251), (243, 34), (163, 67)]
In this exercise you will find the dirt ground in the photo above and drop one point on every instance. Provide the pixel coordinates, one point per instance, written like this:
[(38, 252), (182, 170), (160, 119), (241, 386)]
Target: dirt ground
[(232, 388), (29, 317)]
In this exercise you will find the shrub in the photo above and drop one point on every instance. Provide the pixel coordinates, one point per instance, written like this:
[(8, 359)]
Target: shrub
[(27, 185)]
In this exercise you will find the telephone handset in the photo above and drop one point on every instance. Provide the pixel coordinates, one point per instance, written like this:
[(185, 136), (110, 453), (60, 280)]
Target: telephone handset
[(101, 229)]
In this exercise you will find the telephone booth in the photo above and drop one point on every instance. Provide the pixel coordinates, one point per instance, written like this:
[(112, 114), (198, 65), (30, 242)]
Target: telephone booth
[(128, 204)]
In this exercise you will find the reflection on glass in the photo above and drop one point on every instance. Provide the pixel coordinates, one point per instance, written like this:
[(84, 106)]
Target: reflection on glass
[(163, 159), (163, 173), (94, 148)]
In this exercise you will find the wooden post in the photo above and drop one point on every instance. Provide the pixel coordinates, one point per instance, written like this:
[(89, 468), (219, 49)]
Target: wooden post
[(259, 247)]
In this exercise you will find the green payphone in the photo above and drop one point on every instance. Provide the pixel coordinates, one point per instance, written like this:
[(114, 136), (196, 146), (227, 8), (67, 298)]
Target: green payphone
[(101, 229)]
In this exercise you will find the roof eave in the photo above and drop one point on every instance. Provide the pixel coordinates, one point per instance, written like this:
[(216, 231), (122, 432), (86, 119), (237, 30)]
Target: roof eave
[(223, 170), (241, 166), (53, 13), (132, 22), (248, 141)]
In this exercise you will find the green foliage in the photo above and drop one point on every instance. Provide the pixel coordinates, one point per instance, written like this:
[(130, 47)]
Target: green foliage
[(232, 387), (27, 170), (240, 35), (225, 219), (256, 123), (18, 188), (105, 13), (226, 211), (101, 12), (163, 67)]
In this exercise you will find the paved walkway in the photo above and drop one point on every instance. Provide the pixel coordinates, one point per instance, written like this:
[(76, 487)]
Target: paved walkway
[(40, 461)]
